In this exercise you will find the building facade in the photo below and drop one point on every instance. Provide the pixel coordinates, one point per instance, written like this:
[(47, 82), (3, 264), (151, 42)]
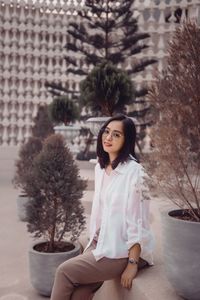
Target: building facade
[(32, 39)]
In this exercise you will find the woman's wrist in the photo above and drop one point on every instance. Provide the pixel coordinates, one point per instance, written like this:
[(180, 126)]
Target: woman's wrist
[(134, 254)]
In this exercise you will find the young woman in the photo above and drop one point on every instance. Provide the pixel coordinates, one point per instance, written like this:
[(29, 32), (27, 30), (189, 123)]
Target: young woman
[(120, 238)]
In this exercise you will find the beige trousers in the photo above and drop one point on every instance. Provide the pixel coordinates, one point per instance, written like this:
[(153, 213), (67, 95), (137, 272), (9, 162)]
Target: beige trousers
[(80, 277)]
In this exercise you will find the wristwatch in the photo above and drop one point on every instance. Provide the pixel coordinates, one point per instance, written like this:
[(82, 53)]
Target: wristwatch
[(132, 261)]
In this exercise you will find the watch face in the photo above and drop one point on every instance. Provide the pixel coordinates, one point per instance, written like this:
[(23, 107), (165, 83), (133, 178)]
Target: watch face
[(132, 261)]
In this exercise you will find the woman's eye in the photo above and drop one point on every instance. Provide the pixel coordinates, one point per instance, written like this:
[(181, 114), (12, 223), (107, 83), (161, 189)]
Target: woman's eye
[(116, 135), (106, 131)]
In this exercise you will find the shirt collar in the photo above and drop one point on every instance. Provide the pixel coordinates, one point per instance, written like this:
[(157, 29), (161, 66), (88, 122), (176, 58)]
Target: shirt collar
[(121, 168)]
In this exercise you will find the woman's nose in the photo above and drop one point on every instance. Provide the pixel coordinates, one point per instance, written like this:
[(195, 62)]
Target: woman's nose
[(109, 137)]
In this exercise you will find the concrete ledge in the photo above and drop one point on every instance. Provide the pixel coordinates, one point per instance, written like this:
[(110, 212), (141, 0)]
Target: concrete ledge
[(151, 283), (148, 285), (10, 153), (86, 165)]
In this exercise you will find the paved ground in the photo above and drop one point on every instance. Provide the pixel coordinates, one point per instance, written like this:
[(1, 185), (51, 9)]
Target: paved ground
[(15, 242)]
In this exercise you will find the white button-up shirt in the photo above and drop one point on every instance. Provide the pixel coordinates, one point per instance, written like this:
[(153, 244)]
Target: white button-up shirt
[(125, 214)]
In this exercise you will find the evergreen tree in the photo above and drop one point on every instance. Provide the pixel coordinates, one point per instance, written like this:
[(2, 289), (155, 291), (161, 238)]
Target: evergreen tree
[(107, 32), (110, 32)]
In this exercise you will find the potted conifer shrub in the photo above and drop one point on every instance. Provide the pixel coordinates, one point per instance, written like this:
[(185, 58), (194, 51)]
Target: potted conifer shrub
[(55, 212), (64, 112), (106, 90), (175, 159), (41, 129), (23, 164)]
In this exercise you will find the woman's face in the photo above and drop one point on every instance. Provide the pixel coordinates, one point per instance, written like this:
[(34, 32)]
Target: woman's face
[(113, 138)]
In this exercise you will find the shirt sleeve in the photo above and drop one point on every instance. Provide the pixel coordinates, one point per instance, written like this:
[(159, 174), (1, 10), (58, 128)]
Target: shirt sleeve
[(138, 229), (94, 203)]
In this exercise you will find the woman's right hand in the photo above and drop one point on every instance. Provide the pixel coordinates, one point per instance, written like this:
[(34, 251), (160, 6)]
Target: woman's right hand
[(128, 275)]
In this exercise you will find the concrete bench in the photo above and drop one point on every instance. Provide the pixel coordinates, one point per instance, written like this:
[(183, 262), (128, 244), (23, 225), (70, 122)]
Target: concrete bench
[(150, 284)]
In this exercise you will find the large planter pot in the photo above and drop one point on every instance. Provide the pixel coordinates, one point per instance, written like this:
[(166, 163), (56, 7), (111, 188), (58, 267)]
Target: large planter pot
[(22, 201), (42, 266), (69, 133), (181, 249), (96, 123)]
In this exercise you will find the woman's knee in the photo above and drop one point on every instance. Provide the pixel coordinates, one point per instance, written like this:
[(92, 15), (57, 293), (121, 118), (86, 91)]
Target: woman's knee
[(63, 285), (61, 269), (65, 267)]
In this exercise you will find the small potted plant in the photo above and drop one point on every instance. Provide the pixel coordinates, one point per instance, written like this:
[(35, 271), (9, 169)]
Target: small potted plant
[(175, 159), (55, 212)]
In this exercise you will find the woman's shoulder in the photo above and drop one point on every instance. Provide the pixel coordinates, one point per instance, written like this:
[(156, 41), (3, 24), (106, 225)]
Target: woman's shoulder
[(134, 165), (135, 168), (97, 167)]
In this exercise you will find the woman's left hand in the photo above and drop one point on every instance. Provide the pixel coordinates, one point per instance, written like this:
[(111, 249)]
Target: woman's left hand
[(128, 275)]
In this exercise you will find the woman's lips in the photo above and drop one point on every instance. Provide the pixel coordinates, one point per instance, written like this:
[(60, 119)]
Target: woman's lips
[(107, 145)]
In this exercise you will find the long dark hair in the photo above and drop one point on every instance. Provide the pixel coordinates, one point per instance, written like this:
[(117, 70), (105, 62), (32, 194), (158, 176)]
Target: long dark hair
[(129, 142)]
